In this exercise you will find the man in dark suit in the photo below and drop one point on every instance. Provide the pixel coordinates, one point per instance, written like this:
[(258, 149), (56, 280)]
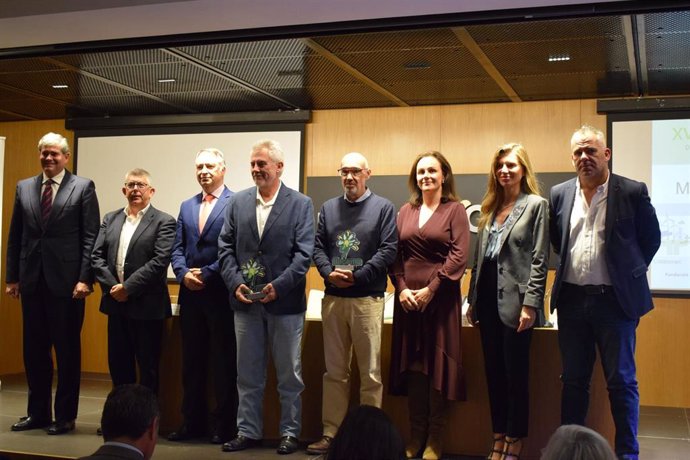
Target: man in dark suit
[(130, 422), (130, 261), (206, 319), (265, 249), (606, 232), (53, 229)]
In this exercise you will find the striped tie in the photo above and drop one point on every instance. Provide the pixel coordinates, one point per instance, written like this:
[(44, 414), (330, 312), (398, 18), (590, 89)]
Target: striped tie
[(47, 200)]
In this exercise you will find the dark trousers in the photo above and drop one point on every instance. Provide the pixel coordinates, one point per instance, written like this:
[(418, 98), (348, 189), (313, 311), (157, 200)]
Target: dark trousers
[(50, 321), (586, 321), (132, 342), (506, 360), (208, 339)]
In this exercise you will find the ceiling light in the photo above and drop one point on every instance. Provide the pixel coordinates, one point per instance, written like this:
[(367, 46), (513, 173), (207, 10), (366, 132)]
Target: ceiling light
[(559, 58), (166, 80), (417, 65), (60, 86)]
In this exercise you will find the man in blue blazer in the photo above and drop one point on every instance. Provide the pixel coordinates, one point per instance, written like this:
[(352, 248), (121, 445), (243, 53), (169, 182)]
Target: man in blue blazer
[(130, 261), (53, 229), (265, 250), (206, 319), (606, 232)]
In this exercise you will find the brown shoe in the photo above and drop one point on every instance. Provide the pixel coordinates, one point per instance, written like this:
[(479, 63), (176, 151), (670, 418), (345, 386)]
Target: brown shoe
[(320, 447)]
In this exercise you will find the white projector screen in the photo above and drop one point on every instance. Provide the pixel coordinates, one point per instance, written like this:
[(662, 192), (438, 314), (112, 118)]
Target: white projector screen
[(657, 152), (170, 158)]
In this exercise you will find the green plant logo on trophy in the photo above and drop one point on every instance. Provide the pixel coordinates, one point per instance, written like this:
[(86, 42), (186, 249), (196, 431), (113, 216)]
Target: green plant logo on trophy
[(347, 241), (253, 273)]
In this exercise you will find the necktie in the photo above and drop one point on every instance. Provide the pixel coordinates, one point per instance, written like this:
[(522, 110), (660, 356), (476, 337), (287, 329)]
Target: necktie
[(205, 211), (47, 200)]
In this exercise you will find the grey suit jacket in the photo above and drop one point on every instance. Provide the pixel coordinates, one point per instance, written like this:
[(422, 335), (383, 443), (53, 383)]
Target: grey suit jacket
[(146, 264), (284, 250), (61, 247), (632, 237), (522, 260)]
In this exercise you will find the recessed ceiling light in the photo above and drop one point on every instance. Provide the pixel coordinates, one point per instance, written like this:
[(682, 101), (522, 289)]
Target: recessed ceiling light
[(559, 58), (60, 86), (166, 80), (417, 65)]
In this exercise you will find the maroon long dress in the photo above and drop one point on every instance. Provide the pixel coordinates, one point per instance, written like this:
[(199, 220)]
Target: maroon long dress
[(434, 255)]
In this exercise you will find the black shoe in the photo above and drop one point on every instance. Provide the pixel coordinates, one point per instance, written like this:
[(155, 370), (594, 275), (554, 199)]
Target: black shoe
[(61, 427), (29, 423), (288, 445), (240, 443), (184, 433), (217, 438)]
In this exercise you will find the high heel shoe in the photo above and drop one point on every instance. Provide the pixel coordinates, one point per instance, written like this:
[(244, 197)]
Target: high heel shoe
[(512, 448), (497, 447)]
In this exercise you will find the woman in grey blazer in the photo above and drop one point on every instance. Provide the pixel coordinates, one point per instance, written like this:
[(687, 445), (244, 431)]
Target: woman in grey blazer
[(507, 290)]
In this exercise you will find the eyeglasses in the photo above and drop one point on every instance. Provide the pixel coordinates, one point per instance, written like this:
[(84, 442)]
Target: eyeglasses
[(139, 185), (356, 172)]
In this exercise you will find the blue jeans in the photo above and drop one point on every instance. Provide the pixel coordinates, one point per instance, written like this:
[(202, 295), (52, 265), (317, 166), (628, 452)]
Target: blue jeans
[(589, 320), (257, 331)]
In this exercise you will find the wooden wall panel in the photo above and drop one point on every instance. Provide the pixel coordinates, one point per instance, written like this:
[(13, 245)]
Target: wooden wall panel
[(390, 138), (663, 361)]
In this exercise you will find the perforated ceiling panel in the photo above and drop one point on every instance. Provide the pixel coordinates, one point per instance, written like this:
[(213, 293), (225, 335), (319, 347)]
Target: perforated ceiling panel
[(578, 57)]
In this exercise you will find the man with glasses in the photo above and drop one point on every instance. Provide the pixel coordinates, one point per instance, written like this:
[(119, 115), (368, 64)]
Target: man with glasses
[(130, 261), (53, 229), (356, 241), (206, 320)]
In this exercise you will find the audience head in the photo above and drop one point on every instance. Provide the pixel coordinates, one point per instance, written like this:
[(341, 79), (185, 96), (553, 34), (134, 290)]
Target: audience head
[(366, 433), (575, 442), (131, 415), (447, 180)]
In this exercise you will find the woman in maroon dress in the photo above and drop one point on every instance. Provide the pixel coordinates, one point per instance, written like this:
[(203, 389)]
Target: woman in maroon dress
[(426, 362)]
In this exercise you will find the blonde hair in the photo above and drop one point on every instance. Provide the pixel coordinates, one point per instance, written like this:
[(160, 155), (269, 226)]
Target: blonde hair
[(494, 196)]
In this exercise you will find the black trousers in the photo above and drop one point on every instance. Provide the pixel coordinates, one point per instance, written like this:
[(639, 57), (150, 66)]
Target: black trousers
[(208, 342), (51, 321), (506, 360), (132, 342)]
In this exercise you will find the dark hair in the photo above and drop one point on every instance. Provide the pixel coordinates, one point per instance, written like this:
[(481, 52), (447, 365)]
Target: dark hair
[(128, 412), (448, 187), (575, 442), (366, 433)]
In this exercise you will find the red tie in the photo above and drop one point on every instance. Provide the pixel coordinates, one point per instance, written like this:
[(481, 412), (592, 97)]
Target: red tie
[(47, 200), (205, 211)]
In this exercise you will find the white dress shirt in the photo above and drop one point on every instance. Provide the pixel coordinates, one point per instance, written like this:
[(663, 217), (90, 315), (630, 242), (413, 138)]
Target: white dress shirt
[(586, 256), (263, 209), (128, 228), (57, 180)]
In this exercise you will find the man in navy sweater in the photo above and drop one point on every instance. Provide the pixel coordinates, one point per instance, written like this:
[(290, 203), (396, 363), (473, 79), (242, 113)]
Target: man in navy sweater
[(356, 241)]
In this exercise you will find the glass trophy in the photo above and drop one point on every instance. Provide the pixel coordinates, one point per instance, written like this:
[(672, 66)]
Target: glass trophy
[(347, 241), (253, 273)]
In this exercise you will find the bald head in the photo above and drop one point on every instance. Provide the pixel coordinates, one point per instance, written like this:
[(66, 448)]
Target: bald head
[(354, 172)]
